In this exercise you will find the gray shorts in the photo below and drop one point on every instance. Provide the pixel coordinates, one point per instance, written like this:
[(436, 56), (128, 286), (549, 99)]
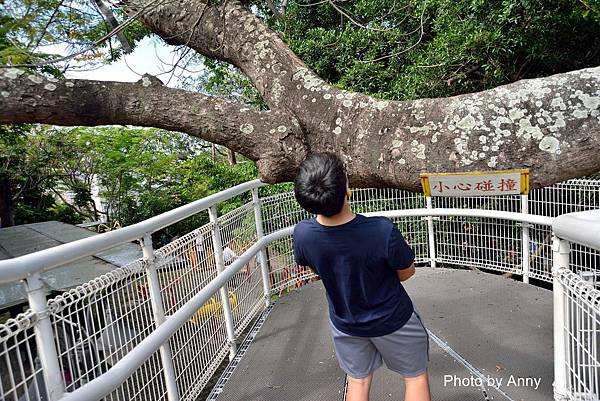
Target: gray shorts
[(405, 351)]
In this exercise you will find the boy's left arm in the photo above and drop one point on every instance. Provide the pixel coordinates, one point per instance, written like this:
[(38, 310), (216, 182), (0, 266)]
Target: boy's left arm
[(300, 258), (400, 255)]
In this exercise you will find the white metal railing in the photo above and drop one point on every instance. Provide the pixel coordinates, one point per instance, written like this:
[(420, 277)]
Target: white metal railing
[(160, 327), (576, 311), (79, 354), (23, 266)]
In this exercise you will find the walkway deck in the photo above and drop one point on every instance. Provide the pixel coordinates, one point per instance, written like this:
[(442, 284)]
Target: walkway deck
[(481, 325)]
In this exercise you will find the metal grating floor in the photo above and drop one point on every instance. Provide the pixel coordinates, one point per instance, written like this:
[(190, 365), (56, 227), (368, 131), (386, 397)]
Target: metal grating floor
[(291, 358), (481, 326)]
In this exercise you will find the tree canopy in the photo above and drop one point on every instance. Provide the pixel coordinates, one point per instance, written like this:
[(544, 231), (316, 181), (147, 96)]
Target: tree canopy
[(396, 88), (113, 174), (432, 48)]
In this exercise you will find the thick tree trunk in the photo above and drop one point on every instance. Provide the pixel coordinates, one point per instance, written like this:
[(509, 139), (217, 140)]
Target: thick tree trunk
[(549, 125), (7, 211)]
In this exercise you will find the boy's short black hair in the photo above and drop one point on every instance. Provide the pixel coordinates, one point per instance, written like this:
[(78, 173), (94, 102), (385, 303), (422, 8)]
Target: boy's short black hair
[(320, 184)]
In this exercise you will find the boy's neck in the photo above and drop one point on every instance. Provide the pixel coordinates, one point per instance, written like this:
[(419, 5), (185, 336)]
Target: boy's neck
[(344, 216)]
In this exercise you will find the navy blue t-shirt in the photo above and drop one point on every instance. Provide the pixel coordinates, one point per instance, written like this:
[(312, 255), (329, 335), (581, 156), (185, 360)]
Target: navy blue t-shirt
[(357, 262)]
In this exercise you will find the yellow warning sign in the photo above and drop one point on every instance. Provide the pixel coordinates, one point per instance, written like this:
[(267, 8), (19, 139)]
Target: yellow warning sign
[(485, 183)]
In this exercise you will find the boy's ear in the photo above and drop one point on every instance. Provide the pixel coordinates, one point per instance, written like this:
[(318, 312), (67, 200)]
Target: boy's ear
[(348, 192)]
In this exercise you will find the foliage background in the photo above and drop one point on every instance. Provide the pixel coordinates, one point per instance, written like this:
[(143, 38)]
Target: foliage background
[(394, 49)]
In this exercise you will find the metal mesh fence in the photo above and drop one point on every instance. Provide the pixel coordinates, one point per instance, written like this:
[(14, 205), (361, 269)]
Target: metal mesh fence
[(98, 322), (238, 233), (280, 211), (146, 383), (567, 197), (479, 242), (20, 372), (485, 243), (586, 263), (540, 253), (466, 241), (185, 266), (582, 331), (285, 274)]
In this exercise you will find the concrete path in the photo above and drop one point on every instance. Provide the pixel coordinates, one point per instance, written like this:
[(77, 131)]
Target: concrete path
[(486, 331)]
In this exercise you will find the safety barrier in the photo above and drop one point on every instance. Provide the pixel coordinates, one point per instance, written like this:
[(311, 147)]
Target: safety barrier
[(160, 327)]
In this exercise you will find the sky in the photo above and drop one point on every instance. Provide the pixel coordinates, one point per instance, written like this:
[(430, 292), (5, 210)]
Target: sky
[(145, 59)]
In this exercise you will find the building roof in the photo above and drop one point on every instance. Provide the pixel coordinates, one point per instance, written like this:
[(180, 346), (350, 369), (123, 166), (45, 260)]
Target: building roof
[(28, 238)]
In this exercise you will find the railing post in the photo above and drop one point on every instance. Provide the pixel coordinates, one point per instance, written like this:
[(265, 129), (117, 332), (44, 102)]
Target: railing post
[(560, 253), (220, 263), (44, 337), (430, 234), (262, 255), (159, 317), (525, 240)]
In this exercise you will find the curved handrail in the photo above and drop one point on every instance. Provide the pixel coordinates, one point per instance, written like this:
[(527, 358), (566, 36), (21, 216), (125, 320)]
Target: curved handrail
[(491, 214), (587, 293), (22, 266), (579, 227), (124, 368)]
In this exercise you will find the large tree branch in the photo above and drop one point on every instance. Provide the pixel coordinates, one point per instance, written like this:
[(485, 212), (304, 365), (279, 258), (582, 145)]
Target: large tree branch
[(271, 138), (230, 32), (550, 125)]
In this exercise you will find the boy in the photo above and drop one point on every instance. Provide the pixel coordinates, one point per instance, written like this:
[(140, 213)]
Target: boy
[(361, 261)]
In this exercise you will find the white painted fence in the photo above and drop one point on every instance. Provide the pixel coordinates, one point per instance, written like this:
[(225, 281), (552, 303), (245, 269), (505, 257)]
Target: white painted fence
[(161, 326)]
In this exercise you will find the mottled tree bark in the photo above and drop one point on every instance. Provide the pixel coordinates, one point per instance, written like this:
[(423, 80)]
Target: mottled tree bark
[(150, 104), (549, 125)]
